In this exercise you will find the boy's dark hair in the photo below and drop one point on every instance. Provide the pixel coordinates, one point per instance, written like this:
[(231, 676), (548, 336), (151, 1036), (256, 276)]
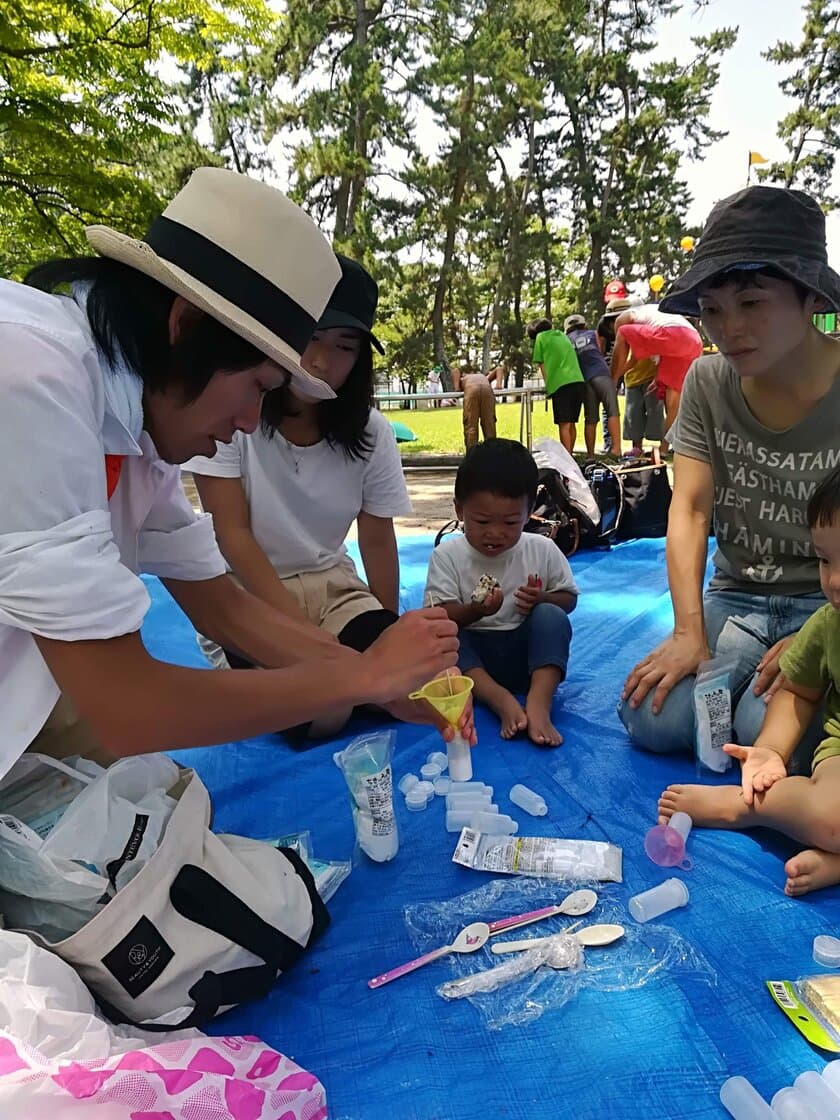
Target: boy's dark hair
[(128, 314), (745, 277), (497, 466), (342, 421), (824, 504), (537, 326)]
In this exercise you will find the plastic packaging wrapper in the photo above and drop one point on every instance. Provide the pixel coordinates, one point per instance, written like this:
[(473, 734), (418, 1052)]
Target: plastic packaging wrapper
[(559, 951), (645, 953), (552, 453), (546, 857), (812, 1004), (366, 765), (59, 1060), (328, 874), (713, 712), (70, 838)]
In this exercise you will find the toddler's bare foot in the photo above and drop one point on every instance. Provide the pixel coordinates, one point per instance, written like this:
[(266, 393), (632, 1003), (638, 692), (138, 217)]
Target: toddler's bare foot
[(512, 716), (540, 728), (708, 806), (811, 870)]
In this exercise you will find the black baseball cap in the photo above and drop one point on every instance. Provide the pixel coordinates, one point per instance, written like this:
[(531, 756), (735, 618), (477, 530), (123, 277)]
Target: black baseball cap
[(353, 302)]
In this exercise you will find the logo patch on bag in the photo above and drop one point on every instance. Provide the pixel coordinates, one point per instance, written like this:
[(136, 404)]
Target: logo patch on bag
[(139, 959)]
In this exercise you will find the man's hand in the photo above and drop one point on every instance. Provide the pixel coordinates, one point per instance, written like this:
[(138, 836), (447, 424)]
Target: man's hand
[(673, 659), (761, 768), (420, 711), (419, 646), (491, 603), (769, 677), (527, 596)]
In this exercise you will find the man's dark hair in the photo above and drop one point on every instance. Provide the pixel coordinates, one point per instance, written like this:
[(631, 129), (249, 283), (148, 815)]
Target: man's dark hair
[(745, 278), (497, 466), (342, 421), (537, 326), (128, 314), (824, 505)]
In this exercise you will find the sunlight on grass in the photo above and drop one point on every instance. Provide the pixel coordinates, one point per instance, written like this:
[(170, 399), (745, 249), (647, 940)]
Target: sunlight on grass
[(440, 431)]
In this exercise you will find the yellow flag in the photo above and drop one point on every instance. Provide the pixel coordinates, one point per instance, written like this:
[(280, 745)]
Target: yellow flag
[(757, 157)]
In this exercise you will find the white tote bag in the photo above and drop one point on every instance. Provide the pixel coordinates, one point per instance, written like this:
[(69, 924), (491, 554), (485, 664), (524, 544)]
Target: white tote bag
[(209, 922)]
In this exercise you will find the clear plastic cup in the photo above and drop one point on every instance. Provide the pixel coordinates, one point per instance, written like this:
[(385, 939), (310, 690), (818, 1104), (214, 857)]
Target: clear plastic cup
[(429, 771), (658, 900), (742, 1101), (416, 800), (407, 782)]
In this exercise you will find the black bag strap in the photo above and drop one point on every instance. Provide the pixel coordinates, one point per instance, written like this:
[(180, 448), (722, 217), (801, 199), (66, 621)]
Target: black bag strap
[(199, 897), (449, 527)]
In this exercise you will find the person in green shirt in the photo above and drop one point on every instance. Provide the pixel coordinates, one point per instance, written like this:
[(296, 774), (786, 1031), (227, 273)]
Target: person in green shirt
[(564, 384), (803, 808)]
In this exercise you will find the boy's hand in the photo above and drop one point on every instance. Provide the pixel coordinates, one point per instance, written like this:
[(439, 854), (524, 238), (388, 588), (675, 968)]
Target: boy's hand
[(527, 596), (761, 768), (490, 604)]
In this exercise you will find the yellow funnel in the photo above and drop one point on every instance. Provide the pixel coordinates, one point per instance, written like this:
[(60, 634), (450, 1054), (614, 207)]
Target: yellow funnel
[(447, 695)]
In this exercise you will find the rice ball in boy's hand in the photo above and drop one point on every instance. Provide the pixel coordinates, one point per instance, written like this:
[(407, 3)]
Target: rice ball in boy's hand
[(485, 586)]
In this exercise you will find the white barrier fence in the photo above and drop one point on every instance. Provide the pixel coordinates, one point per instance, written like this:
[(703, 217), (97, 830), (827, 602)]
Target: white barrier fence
[(526, 395)]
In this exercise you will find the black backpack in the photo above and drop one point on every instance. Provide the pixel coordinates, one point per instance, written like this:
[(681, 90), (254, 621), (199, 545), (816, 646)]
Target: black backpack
[(633, 497), (557, 515)]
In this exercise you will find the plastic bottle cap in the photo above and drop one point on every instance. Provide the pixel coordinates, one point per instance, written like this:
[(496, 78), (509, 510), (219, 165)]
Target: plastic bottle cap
[(407, 782), (426, 788), (416, 800), (827, 951), (442, 786), (429, 771)]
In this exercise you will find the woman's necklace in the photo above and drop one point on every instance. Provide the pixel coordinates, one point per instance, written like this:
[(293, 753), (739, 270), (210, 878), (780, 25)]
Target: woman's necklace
[(290, 450)]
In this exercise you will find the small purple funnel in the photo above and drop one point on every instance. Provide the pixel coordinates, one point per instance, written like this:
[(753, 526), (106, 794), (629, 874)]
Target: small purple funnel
[(665, 843)]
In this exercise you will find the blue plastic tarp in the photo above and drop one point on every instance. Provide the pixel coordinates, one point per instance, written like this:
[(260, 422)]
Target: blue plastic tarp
[(662, 1050)]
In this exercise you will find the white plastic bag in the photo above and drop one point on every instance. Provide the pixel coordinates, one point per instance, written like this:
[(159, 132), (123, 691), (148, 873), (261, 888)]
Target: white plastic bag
[(552, 453), (60, 1061), (366, 766), (69, 841)]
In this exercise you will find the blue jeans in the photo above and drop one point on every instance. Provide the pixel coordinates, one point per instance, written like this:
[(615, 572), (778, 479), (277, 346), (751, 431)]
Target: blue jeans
[(745, 626), (511, 656)]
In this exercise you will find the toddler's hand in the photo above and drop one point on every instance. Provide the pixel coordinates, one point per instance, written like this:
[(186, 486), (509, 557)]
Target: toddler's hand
[(527, 596), (491, 603), (761, 768)]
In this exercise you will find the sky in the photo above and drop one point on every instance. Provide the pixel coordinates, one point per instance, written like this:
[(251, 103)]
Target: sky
[(747, 102)]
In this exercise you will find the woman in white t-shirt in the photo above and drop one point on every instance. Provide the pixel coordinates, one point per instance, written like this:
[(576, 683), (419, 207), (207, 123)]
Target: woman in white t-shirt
[(284, 497)]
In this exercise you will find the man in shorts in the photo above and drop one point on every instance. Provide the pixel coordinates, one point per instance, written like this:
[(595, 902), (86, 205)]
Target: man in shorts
[(598, 385), (560, 370)]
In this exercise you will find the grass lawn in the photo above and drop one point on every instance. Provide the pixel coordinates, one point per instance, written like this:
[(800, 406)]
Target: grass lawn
[(440, 431)]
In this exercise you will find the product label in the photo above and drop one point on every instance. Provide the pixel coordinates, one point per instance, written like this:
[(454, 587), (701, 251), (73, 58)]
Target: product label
[(380, 802), (802, 1016), (139, 959), (132, 847), (714, 727)]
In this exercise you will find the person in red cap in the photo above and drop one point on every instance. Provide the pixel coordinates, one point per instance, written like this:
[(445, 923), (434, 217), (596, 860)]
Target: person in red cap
[(615, 289)]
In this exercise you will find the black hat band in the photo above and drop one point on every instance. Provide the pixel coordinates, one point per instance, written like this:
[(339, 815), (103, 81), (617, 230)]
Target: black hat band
[(233, 280)]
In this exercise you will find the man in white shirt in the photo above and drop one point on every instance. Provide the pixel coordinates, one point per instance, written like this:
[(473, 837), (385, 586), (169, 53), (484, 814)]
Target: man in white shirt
[(161, 348)]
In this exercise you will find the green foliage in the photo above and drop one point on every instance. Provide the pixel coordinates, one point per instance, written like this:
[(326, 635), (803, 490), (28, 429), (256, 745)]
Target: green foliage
[(812, 130), (83, 104)]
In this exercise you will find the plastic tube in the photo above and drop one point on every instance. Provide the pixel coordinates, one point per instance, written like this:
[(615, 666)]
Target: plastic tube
[(528, 800), (831, 1075), (790, 1104), (741, 1100), (459, 757), (494, 824), (819, 1095)]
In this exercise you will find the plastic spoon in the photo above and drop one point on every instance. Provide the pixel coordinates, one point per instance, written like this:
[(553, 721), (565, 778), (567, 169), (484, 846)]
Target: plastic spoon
[(473, 936), (589, 936)]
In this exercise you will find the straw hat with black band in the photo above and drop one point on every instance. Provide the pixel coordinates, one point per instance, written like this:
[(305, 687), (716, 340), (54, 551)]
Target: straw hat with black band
[(245, 254), (758, 227)]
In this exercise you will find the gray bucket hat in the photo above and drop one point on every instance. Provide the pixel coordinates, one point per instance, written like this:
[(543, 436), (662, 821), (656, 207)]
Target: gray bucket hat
[(769, 226)]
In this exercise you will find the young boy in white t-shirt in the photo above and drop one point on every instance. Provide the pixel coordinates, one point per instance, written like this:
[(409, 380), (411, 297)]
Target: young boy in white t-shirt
[(511, 594)]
